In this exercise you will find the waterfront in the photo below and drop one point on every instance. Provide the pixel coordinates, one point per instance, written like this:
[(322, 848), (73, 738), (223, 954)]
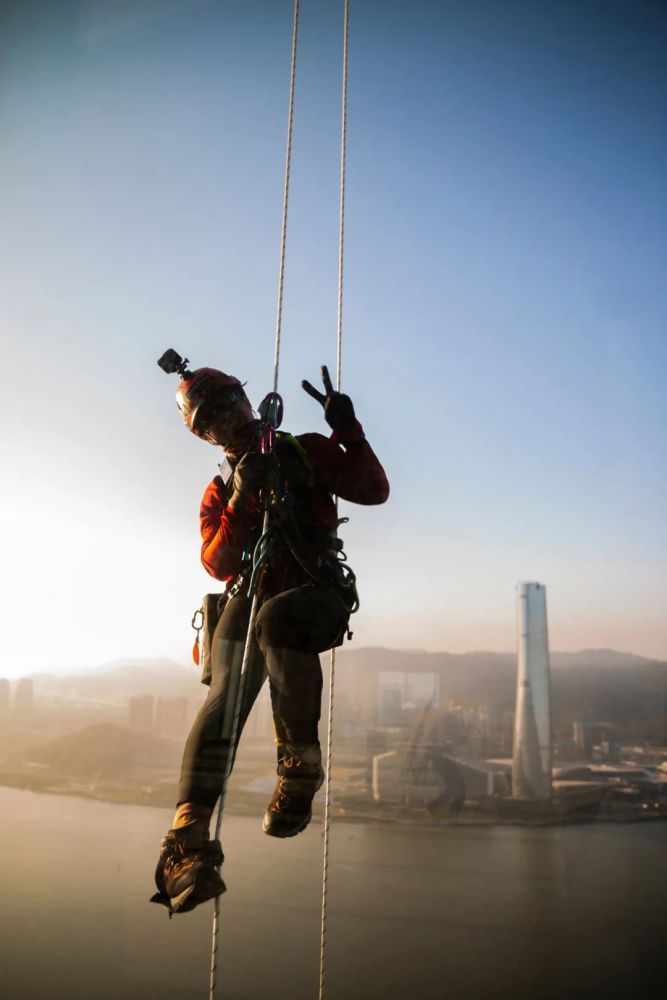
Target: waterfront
[(458, 911)]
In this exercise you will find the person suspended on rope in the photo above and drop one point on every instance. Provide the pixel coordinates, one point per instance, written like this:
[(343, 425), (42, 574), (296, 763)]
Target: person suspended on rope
[(305, 594)]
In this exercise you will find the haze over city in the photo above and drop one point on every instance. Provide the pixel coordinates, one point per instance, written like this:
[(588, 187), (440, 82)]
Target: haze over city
[(504, 307)]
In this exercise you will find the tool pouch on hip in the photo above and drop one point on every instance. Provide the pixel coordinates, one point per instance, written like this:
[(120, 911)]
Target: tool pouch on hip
[(212, 607)]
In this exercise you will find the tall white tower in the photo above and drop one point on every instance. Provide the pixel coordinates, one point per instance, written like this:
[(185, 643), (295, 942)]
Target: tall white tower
[(531, 763)]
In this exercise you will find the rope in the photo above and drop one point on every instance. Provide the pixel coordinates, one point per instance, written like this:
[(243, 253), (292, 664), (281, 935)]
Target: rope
[(341, 231), (339, 364), (247, 652), (288, 164)]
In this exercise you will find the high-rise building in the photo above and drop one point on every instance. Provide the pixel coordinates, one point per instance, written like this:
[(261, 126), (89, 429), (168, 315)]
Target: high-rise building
[(141, 713), (391, 707), (582, 734), (24, 697), (531, 763)]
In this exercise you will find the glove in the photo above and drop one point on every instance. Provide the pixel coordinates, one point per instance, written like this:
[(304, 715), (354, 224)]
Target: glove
[(338, 409), (251, 475)]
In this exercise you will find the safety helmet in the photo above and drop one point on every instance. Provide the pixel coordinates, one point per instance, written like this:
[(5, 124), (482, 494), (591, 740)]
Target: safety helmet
[(201, 387)]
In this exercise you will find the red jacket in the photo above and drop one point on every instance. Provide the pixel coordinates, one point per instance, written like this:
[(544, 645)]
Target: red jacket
[(342, 465)]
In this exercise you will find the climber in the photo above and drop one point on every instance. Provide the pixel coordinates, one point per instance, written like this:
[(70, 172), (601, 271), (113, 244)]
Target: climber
[(304, 599)]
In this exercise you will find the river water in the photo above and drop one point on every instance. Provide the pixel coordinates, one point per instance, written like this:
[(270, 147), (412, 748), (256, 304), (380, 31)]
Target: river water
[(455, 912)]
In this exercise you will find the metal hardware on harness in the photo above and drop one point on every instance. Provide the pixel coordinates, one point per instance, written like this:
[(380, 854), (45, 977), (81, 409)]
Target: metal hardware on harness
[(271, 410), (199, 627)]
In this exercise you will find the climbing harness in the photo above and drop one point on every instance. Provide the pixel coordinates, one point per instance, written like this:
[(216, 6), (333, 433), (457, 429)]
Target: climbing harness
[(323, 561)]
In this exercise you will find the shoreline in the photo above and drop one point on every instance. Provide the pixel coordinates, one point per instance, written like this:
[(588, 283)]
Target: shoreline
[(380, 816)]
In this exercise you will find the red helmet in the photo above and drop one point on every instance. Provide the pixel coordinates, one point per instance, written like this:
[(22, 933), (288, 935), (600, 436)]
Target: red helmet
[(198, 388)]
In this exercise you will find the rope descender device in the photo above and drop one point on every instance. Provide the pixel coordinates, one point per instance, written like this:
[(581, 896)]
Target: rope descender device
[(271, 414)]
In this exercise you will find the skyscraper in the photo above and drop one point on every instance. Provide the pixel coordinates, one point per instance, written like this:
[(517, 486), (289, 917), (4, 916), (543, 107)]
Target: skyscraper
[(531, 764)]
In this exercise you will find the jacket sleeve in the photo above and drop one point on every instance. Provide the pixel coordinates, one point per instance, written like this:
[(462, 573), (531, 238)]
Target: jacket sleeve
[(224, 533), (347, 466)]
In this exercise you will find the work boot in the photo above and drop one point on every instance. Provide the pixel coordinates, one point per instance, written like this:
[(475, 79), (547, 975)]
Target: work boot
[(299, 776), (186, 873)]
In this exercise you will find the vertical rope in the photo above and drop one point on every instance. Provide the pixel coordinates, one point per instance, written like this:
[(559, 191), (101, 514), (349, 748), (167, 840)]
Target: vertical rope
[(288, 165), (339, 365), (247, 652), (341, 230)]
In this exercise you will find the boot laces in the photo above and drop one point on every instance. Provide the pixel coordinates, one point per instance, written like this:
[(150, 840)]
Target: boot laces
[(296, 778), (176, 850)]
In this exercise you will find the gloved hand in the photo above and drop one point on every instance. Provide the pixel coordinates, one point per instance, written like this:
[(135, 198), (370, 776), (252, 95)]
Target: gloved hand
[(338, 409), (253, 472)]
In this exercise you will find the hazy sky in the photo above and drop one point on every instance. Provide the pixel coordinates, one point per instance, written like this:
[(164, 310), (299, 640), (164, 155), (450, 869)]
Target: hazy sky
[(504, 314)]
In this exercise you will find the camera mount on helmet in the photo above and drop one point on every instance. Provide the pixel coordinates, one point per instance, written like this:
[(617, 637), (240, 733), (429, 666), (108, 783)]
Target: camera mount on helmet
[(173, 364)]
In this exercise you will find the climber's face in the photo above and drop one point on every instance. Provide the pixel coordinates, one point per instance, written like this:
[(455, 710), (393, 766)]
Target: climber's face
[(228, 423)]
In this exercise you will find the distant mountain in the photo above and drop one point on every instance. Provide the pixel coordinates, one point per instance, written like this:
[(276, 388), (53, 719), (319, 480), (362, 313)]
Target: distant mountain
[(600, 683), (378, 657), (607, 659), (123, 679), (104, 749), (151, 664), (591, 684), (462, 675)]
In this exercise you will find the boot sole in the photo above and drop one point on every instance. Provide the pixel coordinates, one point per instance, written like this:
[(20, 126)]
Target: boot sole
[(203, 888)]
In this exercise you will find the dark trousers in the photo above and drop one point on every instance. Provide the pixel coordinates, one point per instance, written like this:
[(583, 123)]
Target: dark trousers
[(291, 629)]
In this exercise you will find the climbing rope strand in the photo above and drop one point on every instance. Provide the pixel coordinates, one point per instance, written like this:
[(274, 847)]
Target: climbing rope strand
[(341, 232), (339, 365), (288, 165), (247, 652)]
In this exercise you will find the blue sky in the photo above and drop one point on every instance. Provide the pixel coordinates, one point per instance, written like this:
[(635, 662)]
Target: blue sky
[(504, 316)]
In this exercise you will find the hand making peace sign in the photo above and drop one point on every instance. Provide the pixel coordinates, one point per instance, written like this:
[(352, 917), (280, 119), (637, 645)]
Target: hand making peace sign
[(338, 409)]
